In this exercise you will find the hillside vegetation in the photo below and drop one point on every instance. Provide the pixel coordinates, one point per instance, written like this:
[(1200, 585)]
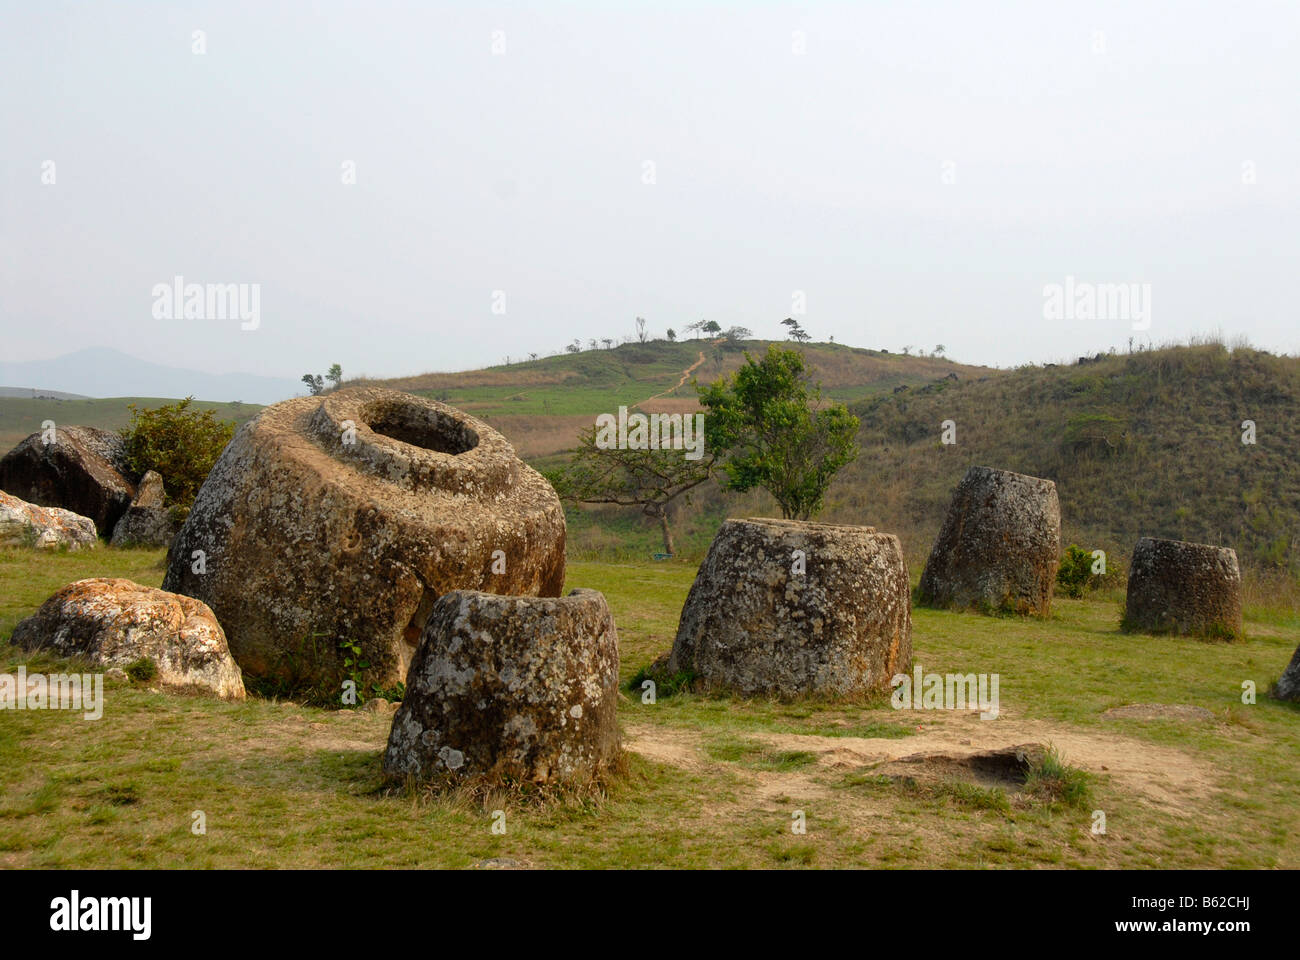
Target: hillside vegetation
[(542, 404), (1146, 444)]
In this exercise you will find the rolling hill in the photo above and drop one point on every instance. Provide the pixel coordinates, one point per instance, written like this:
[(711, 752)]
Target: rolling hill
[(1143, 444), (1148, 443), (542, 404)]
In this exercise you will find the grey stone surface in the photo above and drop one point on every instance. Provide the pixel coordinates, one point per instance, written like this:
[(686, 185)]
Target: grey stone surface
[(147, 522), (999, 548), (510, 688), (754, 625), (1185, 588), (1288, 686)]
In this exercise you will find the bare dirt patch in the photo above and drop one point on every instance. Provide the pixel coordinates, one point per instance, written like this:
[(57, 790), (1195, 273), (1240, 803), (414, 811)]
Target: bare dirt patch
[(1159, 711), (1171, 779)]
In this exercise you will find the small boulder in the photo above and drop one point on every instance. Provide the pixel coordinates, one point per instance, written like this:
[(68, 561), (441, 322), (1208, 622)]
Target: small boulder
[(510, 688), (82, 469), (150, 492), (341, 519), (785, 608), (147, 522), (1288, 686), (115, 623), (999, 548), (1193, 589), (24, 524)]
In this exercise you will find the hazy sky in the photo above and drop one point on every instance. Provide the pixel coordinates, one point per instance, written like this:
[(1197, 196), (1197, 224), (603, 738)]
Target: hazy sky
[(919, 171)]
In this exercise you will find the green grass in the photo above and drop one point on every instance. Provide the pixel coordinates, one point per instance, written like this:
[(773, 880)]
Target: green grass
[(286, 785)]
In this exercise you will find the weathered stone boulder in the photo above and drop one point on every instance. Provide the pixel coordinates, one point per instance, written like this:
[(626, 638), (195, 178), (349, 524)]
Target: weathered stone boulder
[(82, 469), (1288, 686), (147, 522), (24, 524), (115, 623), (999, 547), (343, 518), (510, 688), (1183, 588), (785, 608)]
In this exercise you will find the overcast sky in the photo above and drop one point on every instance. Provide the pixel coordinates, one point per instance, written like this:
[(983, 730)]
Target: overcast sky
[(918, 171)]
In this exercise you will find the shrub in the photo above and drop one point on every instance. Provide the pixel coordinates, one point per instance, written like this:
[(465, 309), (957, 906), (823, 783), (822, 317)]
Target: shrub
[(1075, 574), (180, 443), (142, 670)]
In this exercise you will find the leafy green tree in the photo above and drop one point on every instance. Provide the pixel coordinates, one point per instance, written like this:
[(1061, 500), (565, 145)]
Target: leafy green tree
[(712, 327), (649, 479), (769, 428), (179, 442), (335, 375), (315, 383)]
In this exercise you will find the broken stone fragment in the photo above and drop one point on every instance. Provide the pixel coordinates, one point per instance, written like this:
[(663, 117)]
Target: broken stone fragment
[(24, 524), (82, 469), (146, 523), (116, 623), (1288, 686)]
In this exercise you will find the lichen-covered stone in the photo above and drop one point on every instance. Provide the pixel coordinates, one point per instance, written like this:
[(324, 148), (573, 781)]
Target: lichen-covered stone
[(1184, 588), (510, 688), (115, 623), (83, 470), (1288, 686), (146, 523), (999, 548), (24, 524), (785, 608), (342, 519)]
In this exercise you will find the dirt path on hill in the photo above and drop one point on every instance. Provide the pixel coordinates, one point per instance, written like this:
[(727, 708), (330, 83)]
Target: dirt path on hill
[(686, 375)]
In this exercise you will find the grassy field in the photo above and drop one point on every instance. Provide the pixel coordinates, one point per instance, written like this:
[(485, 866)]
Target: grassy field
[(712, 781)]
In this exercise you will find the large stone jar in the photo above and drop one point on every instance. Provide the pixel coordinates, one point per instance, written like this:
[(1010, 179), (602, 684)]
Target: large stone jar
[(339, 521), (787, 608)]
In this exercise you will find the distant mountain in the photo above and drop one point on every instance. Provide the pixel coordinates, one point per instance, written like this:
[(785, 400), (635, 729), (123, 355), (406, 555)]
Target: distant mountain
[(39, 393), (104, 372)]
